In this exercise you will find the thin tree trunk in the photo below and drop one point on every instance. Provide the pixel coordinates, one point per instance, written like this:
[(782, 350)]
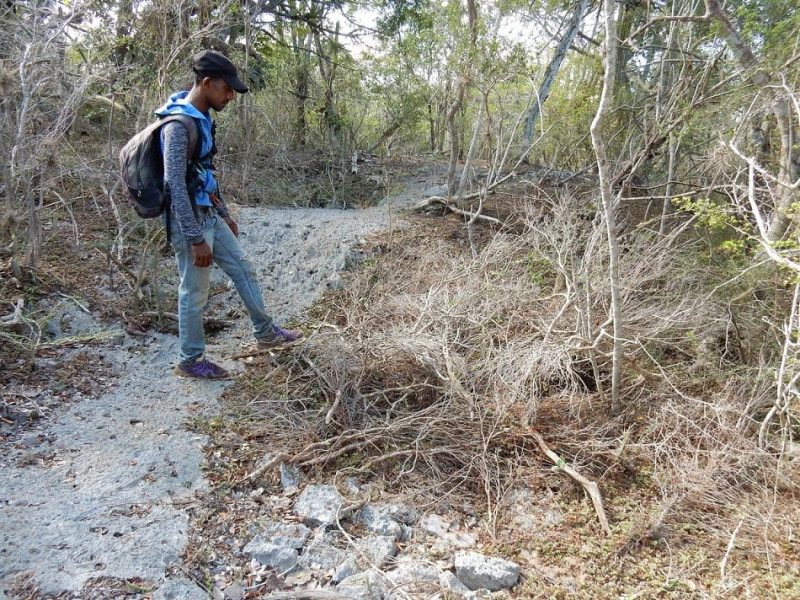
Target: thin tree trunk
[(609, 204), (551, 71), (458, 102), (788, 170), (452, 111), (244, 104), (302, 51)]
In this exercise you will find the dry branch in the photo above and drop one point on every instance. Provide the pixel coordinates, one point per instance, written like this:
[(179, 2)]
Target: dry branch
[(451, 203), (307, 595), (273, 462), (14, 318), (452, 208), (590, 486)]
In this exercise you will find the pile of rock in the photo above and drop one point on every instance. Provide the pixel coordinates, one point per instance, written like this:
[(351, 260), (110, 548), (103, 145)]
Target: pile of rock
[(370, 552)]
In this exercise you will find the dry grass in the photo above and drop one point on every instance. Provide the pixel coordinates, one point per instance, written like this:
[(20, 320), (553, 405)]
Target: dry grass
[(434, 368)]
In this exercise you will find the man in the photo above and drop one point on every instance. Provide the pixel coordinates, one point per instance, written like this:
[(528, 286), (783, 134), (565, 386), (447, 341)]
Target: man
[(201, 228)]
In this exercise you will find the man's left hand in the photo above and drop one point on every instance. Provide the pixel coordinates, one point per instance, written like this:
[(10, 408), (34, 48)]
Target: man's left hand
[(232, 224)]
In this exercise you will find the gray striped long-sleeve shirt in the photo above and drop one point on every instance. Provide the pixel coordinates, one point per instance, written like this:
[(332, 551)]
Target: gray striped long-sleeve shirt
[(176, 149)]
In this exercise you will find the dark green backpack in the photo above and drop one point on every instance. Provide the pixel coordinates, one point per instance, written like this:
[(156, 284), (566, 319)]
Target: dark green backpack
[(142, 165)]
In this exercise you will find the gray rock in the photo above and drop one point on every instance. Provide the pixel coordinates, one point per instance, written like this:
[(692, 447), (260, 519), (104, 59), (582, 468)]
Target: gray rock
[(179, 588), (438, 190), (414, 578), (377, 548), (299, 577), (477, 571), (435, 525), (378, 519), (287, 535), (406, 533), (352, 486), (417, 577), (347, 569), (460, 539), (449, 581), (318, 505), (407, 515), (234, 592), (322, 557), (366, 585), (271, 555), (290, 476)]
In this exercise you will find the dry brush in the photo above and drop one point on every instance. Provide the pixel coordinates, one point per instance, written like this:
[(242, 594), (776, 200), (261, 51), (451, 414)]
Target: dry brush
[(449, 373)]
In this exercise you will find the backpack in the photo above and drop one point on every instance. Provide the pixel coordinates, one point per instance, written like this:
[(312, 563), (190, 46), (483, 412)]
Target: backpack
[(142, 166)]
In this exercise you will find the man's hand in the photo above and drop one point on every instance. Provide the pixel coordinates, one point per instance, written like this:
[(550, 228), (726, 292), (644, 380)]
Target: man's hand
[(232, 224), (202, 255)]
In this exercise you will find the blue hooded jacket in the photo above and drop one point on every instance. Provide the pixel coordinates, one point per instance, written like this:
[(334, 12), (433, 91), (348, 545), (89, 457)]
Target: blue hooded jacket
[(177, 104)]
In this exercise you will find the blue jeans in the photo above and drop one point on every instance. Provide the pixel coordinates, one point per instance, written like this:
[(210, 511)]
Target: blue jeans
[(195, 282)]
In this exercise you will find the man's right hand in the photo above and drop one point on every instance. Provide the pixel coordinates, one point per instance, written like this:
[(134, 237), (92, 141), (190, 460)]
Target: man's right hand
[(202, 255)]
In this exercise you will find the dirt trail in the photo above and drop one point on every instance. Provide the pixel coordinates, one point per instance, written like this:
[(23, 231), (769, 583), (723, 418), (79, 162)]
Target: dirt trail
[(101, 489)]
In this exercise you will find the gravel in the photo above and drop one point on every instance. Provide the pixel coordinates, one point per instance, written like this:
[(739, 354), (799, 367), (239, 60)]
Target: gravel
[(102, 488)]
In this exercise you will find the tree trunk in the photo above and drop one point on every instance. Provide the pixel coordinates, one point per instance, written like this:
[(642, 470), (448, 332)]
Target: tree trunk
[(789, 167), (551, 71), (609, 205), (302, 82), (458, 101), (327, 69), (452, 111)]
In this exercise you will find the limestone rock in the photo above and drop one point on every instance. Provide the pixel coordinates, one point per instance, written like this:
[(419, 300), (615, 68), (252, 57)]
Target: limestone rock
[(271, 555), (363, 586), (477, 571), (319, 505)]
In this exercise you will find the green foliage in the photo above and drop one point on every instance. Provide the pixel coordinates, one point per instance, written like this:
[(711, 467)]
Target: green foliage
[(399, 16), (768, 26), (709, 213), (539, 267)]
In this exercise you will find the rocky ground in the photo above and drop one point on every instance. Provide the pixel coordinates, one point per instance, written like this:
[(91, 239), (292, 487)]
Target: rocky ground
[(97, 488)]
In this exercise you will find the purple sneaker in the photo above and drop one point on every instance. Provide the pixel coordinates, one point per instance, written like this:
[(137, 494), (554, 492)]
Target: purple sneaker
[(279, 338), (201, 369)]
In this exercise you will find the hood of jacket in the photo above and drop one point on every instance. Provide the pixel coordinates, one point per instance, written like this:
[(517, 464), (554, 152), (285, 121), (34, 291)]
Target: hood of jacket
[(178, 104)]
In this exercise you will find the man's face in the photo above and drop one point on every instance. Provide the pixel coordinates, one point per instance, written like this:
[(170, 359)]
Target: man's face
[(218, 92)]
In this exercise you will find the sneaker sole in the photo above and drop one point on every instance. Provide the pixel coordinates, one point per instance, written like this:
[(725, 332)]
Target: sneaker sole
[(185, 375)]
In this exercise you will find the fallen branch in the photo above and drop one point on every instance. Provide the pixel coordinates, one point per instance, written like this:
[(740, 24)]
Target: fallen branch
[(274, 461), (16, 317), (590, 486), (452, 205), (336, 401), (253, 352), (306, 595), (452, 208)]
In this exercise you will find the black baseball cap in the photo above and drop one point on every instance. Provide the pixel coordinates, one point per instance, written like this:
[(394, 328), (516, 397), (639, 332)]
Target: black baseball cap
[(211, 63)]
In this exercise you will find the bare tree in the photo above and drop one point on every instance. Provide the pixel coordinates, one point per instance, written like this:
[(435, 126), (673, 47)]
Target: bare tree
[(573, 25), (458, 100), (39, 97), (606, 193), (789, 161)]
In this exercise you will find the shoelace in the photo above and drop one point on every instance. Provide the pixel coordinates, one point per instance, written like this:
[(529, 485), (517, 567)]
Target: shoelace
[(280, 332), (204, 367)]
